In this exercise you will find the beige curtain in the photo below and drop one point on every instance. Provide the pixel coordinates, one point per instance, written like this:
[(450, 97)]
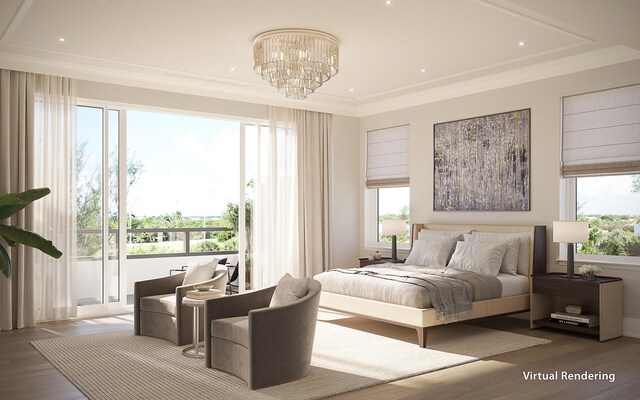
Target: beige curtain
[(37, 149), (16, 175), (55, 214), (291, 209)]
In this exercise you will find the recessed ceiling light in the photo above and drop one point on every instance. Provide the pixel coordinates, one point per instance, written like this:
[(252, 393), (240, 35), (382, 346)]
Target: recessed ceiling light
[(352, 90), (522, 43), (232, 69), (423, 70), (388, 2), (61, 39)]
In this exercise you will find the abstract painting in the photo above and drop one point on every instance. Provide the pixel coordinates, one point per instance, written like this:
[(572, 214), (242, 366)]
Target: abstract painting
[(482, 163)]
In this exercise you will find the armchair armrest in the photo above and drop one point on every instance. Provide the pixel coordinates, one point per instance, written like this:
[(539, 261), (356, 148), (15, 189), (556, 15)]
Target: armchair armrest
[(231, 306), (238, 304), (151, 287)]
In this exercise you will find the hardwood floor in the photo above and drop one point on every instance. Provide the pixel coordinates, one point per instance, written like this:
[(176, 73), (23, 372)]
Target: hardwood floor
[(25, 374)]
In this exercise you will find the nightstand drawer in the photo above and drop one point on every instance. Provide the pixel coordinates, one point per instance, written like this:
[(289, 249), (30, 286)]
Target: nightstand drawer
[(566, 287)]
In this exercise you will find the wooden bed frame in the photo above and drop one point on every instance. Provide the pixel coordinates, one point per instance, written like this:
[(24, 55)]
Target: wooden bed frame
[(422, 318)]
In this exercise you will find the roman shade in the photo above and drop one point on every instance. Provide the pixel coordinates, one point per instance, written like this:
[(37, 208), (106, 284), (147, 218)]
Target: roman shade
[(601, 133), (388, 157)]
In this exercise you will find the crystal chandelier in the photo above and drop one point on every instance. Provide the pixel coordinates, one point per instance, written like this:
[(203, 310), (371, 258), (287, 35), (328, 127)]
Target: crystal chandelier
[(295, 61)]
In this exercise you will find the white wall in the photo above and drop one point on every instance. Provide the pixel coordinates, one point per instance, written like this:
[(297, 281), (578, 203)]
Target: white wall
[(543, 98), (345, 190)]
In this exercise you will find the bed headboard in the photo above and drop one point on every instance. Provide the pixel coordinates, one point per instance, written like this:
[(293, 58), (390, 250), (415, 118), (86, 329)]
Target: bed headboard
[(538, 257)]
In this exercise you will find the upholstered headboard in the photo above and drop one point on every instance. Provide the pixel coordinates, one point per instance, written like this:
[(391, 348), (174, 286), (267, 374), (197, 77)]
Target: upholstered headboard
[(538, 256)]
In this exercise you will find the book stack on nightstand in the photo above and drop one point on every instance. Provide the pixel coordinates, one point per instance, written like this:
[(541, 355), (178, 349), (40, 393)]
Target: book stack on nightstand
[(574, 316)]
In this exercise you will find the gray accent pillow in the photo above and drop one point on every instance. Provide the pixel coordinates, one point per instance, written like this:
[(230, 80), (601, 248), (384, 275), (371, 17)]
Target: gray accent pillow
[(289, 290), (200, 272), (430, 253), (482, 258)]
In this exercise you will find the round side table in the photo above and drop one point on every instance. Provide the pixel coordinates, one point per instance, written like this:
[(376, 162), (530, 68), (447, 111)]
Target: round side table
[(194, 351)]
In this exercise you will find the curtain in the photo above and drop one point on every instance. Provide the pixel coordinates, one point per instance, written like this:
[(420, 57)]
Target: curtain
[(37, 149), (292, 198), (16, 175), (55, 290)]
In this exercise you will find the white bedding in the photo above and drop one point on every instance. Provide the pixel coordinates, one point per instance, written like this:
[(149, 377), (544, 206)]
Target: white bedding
[(513, 285), (390, 286)]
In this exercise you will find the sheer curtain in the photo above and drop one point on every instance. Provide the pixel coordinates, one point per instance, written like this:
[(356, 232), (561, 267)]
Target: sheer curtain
[(16, 175), (37, 149), (55, 214), (291, 210)]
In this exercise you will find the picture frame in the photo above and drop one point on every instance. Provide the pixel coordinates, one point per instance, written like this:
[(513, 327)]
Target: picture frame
[(483, 163)]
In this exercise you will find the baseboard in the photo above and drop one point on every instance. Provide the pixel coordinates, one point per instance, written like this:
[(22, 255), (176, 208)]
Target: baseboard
[(631, 327)]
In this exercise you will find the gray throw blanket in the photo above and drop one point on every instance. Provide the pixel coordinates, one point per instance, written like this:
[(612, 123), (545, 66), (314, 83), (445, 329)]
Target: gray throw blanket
[(451, 291)]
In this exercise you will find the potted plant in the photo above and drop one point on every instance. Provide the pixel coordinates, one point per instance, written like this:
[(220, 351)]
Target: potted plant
[(11, 204)]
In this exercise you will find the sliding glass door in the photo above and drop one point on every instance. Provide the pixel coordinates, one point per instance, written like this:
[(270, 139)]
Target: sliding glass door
[(98, 209)]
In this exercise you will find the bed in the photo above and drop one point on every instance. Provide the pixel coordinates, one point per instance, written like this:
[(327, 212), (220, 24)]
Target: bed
[(513, 296)]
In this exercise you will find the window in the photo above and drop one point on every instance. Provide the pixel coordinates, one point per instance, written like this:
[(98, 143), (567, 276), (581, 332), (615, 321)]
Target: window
[(387, 194), (393, 203), (601, 167), (611, 205)]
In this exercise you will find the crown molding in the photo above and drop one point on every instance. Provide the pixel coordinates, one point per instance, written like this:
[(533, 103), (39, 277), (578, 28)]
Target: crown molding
[(577, 63), (172, 81)]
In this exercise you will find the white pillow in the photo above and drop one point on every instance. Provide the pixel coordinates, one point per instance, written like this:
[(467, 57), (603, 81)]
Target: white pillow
[(289, 290), (523, 252), (197, 273), (430, 253), (430, 234), (510, 261), (482, 258)]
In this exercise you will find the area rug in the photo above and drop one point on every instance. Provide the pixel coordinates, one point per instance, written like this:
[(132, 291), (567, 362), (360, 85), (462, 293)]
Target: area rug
[(349, 354)]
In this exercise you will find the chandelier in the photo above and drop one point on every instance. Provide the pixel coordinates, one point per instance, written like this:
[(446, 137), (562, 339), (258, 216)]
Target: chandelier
[(295, 61)]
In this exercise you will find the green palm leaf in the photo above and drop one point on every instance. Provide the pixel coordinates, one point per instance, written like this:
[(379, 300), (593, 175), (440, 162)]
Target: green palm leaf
[(5, 262), (11, 203), (30, 239)]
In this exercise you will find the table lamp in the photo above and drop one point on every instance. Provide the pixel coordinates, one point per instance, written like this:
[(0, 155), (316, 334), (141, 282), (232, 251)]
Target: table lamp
[(570, 232), (394, 227)]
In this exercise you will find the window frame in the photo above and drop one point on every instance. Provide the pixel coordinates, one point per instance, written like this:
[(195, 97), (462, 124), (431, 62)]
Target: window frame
[(568, 211), (371, 215)]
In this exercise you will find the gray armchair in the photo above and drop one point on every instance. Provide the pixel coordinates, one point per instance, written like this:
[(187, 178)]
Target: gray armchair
[(265, 346), (158, 310)]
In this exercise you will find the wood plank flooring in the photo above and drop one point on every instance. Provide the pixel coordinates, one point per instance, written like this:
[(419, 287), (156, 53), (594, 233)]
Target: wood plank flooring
[(25, 374)]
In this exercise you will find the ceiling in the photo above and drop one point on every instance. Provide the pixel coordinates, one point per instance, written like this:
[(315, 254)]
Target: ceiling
[(391, 56)]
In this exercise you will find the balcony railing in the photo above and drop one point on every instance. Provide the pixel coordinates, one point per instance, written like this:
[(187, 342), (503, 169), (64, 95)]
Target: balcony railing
[(169, 239)]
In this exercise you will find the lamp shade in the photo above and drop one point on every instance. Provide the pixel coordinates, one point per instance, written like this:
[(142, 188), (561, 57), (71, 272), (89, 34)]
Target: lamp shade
[(394, 227), (570, 232)]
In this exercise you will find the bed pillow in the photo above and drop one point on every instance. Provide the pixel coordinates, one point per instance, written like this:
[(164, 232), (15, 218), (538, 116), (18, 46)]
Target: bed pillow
[(432, 253), (510, 261), (200, 272), (430, 234), (524, 251), (480, 257), (289, 290)]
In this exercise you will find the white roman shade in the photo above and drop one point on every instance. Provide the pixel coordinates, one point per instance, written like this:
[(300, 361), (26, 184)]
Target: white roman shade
[(388, 157), (601, 133)]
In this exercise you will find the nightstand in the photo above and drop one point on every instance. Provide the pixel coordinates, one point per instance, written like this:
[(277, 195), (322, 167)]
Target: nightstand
[(602, 295), (384, 260)]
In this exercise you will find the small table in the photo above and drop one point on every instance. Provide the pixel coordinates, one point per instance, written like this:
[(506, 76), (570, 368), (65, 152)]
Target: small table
[(194, 351)]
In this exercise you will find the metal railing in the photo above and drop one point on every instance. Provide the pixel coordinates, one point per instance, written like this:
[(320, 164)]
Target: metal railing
[(186, 248)]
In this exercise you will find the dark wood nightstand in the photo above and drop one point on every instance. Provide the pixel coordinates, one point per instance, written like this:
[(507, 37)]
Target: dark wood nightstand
[(384, 260), (602, 296)]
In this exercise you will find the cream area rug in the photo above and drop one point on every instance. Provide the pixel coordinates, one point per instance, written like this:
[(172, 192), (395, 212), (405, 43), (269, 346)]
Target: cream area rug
[(349, 353)]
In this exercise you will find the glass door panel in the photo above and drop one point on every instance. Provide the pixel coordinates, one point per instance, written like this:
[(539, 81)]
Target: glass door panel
[(89, 199)]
